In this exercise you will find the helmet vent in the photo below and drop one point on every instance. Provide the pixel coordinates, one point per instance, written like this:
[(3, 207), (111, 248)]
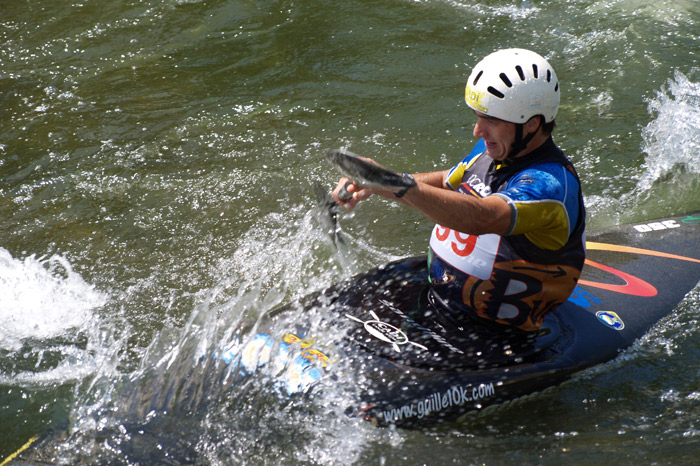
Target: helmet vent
[(549, 76), (556, 88), (520, 72), (495, 92), (505, 80), (477, 77), (534, 70)]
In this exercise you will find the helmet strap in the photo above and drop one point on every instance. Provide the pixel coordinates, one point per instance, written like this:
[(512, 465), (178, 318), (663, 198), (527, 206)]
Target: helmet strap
[(520, 142)]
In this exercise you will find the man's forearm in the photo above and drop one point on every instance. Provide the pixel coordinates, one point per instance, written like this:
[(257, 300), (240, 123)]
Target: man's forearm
[(458, 211), (436, 179)]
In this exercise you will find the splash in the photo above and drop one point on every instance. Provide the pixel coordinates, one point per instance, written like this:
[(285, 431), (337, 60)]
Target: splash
[(667, 180), (672, 138), (45, 307), (184, 381), (41, 299)]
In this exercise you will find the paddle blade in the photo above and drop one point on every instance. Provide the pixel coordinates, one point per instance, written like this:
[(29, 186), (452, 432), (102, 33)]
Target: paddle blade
[(366, 173)]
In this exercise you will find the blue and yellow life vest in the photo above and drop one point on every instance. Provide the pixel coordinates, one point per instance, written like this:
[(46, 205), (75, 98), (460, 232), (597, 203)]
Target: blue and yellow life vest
[(518, 278)]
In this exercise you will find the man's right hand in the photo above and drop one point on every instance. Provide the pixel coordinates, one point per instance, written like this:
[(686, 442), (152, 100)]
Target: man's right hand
[(348, 194)]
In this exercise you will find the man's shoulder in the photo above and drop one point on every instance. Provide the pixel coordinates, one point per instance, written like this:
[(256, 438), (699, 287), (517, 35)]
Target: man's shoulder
[(547, 168), (547, 180)]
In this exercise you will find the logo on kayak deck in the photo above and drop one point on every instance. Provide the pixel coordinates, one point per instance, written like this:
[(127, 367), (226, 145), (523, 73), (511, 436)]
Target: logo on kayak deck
[(385, 332), (610, 319), (656, 226)]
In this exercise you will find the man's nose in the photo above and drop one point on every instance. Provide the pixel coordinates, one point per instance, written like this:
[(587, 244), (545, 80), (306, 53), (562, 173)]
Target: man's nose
[(478, 132)]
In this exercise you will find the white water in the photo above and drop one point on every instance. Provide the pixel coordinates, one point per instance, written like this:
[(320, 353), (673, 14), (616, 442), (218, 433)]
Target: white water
[(46, 320), (671, 144), (41, 298), (672, 138)]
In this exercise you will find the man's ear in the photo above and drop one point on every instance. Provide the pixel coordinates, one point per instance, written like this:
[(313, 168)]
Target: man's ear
[(533, 124)]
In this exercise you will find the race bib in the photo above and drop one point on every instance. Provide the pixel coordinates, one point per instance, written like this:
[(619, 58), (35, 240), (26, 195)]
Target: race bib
[(474, 255)]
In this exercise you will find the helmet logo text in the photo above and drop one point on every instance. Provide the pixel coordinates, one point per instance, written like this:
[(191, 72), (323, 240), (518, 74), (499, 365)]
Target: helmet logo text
[(475, 99)]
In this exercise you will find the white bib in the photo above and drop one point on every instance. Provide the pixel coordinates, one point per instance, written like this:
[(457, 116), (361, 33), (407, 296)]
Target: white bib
[(474, 255)]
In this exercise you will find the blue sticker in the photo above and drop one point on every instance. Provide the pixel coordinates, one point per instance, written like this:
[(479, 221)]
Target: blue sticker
[(610, 319), (583, 298)]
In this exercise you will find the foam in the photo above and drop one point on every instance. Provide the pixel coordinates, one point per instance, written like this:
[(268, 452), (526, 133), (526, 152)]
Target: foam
[(672, 138), (41, 299)]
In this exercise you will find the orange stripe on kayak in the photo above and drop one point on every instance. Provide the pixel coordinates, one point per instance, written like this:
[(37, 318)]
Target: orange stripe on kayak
[(647, 252), (633, 286)]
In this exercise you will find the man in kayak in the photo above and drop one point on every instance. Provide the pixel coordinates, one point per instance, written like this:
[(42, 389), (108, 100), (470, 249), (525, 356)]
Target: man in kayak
[(508, 244)]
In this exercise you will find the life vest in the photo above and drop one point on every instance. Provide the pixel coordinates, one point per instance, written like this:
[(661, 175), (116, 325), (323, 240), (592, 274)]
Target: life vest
[(518, 278)]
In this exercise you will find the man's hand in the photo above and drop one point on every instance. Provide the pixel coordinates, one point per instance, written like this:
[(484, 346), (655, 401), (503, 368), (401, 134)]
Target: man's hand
[(348, 194)]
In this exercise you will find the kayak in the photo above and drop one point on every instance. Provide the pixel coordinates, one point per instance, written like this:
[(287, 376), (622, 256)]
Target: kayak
[(412, 364), (381, 347)]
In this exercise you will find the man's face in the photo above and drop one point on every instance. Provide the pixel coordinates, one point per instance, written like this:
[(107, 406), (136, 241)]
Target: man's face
[(499, 135)]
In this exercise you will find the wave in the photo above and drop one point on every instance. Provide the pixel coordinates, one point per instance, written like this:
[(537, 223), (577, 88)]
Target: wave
[(46, 320), (672, 138), (666, 181)]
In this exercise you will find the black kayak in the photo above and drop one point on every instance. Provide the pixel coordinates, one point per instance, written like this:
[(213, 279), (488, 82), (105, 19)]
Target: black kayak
[(381, 346), (412, 365)]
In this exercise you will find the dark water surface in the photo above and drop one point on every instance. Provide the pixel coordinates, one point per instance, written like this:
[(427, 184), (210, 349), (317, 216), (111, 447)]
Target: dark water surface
[(157, 164)]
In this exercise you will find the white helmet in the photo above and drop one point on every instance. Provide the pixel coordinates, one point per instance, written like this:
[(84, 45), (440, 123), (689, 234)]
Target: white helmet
[(513, 85)]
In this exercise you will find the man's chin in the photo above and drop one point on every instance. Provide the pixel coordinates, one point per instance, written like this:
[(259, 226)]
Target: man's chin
[(496, 155)]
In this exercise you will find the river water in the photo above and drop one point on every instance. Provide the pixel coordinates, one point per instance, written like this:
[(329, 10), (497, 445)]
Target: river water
[(157, 169)]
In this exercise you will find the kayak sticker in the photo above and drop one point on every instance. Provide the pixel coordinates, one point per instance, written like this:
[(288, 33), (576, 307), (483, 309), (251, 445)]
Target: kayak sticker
[(633, 286), (611, 319), (656, 226), (385, 332), (423, 329), (583, 298), (592, 245), (296, 365)]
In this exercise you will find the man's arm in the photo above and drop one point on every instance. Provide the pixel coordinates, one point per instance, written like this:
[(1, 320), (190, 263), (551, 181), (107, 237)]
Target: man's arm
[(436, 179), (358, 194), (460, 212), (457, 211)]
